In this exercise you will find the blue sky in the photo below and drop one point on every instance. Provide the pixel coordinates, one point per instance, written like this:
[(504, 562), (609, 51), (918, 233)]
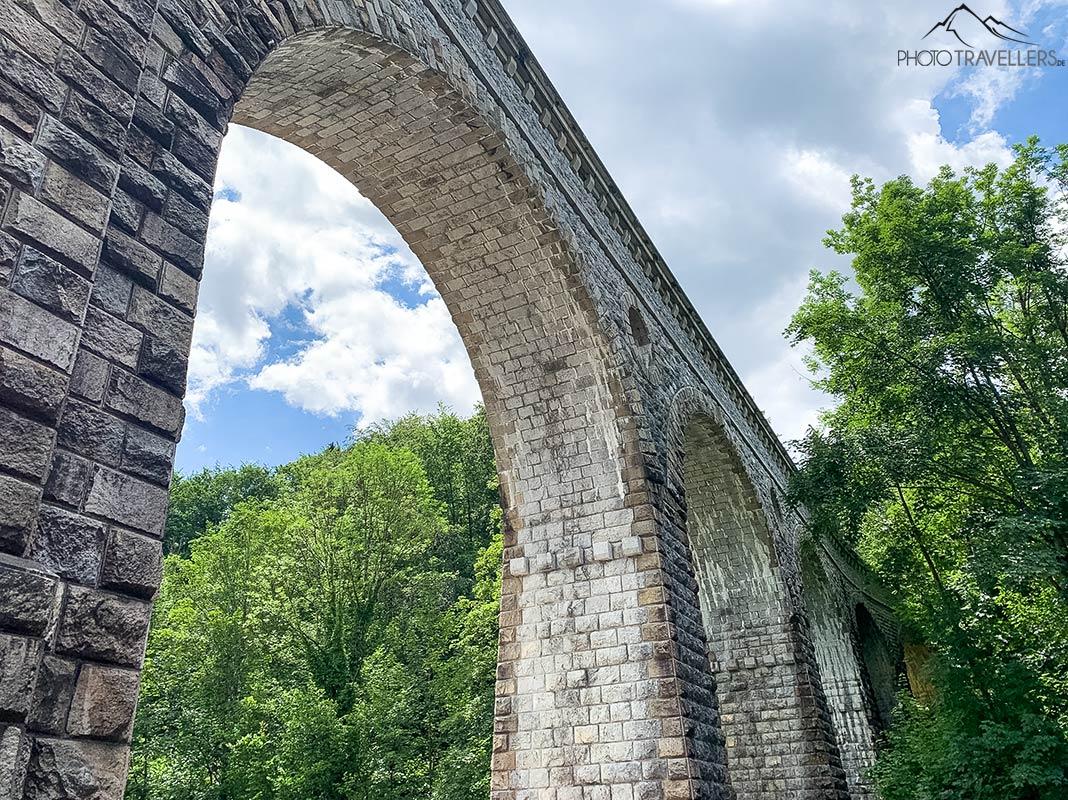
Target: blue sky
[(733, 139)]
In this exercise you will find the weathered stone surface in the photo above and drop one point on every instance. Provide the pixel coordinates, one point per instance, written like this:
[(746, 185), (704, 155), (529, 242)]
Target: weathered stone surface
[(69, 544), (57, 18), (52, 695), (28, 386), (31, 36), (20, 162), (148, 455), (132, 257), (27, 597), (106, 56), (9, 251), (35, 331), (128, 501), (103, 626), (130, 395), (185, 216), (18, 663), (18, 110), (163, 363), (69, 478), (112, 291), (178, 176), (104, 703), (157, 317), (172, 243), (91, 432), (79, 156), (90, 376), (178, 287), (133, 564), (18, 510), (59, 235), (98, 125), (50, 284), (14, 753), (126, 213), (76, 770), (77, 197), (111, 337), (28, 77), (28, 445)]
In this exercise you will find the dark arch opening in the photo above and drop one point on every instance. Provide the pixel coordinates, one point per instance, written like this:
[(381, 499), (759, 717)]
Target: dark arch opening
[(880, 668)]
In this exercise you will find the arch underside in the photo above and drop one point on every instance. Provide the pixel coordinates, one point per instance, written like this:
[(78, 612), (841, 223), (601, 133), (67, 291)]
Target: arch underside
[(749, 626)]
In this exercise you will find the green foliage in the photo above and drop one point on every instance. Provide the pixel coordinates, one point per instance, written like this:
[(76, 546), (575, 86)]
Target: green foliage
[(207, 497), (335, 635), (945, 460)]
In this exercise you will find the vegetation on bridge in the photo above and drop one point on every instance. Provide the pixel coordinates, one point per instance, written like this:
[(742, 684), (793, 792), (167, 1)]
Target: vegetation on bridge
[(945, 461)]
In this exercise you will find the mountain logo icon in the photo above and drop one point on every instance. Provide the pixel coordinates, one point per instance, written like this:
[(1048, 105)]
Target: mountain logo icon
[(971, 30)]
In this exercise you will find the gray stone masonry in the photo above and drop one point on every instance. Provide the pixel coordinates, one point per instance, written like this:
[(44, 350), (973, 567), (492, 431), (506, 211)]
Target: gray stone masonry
[(659, 636)]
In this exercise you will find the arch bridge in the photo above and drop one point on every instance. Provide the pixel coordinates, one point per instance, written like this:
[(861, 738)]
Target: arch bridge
[(662, 633)]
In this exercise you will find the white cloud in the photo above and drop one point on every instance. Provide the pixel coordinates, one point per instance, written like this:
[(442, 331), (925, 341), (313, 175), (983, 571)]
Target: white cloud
[(290, 235)]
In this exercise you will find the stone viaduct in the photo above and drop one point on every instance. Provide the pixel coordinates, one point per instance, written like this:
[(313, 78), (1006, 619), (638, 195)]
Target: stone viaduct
[(664, 634)]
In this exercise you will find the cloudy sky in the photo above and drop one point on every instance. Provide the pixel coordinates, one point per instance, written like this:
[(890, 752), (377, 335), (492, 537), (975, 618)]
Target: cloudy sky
[(731, 126)]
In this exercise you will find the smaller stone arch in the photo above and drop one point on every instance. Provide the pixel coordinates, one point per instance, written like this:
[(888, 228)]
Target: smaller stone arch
[(778, 738), (880, 667)]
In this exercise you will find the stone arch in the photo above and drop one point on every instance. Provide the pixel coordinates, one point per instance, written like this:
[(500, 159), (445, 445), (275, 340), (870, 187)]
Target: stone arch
[(848, 698), (879, 667), (752, 629), (409, 125)]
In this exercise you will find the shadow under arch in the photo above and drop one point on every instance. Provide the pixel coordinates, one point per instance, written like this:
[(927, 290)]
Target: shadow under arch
[(880, 669)]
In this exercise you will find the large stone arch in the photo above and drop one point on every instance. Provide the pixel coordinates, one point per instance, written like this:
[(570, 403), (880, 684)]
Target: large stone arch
[(111, 116)]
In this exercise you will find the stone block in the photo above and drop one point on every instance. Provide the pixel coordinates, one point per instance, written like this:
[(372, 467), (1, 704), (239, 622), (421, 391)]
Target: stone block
[(172, 243), (111, 337), (69, 479), (9, 253), (159, 318), (75, 196), (602, 551), (103, 627), (519, 566), (100, 127), (132, 396), (179, 177), (179, 287), (27, 598), (631, 546), (142, 185), (90, 376), (77, 155), (27, 445), (90, 81), (148, 455), (128, 501), (69, 769), (31, 387), (54, 233), (26, 75), (18, 666), (18, 511), (112, 291), (52, 695), (133, 564), (20, 162), (50, 284), (36, 331), (69, 544), (14, 753), (104, 703), (132, 257), (91, 432), (164, 364)]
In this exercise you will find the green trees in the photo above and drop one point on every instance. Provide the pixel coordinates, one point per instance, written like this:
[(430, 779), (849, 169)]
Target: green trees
[(331, 629), (945, 460)]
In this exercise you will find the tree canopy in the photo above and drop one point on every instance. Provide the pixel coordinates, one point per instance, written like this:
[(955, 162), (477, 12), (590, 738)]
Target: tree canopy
[(944, 461), (328, 630)]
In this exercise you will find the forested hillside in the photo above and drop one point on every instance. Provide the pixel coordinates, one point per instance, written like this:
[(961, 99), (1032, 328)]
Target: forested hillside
[(328, 629)]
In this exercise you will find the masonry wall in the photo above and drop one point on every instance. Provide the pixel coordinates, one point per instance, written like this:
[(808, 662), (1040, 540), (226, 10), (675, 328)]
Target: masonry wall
[(111, 116)]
